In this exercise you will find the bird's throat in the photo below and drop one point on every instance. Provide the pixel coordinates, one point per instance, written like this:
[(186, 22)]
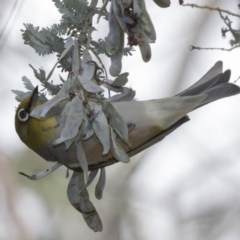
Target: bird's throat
[(41, 133)]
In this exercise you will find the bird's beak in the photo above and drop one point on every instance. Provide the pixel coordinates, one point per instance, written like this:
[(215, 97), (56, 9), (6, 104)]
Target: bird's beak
[(33, 98)]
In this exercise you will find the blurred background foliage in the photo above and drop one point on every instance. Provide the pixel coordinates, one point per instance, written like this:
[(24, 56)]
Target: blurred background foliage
[(186, 187)]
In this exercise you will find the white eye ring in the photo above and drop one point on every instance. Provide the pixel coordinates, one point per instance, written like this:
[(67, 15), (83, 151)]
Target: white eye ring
[(23, 115)]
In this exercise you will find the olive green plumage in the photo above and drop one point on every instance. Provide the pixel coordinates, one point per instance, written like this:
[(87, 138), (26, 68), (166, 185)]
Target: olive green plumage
[(34, 132)]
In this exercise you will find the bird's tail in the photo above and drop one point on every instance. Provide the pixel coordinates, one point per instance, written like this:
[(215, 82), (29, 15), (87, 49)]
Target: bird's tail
[(167, 114), (214, 83)]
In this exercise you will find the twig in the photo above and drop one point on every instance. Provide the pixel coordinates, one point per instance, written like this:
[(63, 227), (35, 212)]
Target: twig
[(210, 8), (100, 61), (227, 21), (43, 173), (191, 48)]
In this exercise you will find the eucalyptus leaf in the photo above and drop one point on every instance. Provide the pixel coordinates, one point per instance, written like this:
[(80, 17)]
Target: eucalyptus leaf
[(100, 126), (109, 86), (89, 133), (73, 121), (116, 121), (163, 3), (116, 150), (120, 80), (143, 43), (119, 12), (75, 59), (116, 58), (137, 8), (146, 23), (126, 3), (115, 35), (87, 74), (79, 198), (127, 94), (68, 143), (90, 86), (145, 50), (101, 184), (116, 63), (41, 111), (82, 159), (92, 176), (68, 44)]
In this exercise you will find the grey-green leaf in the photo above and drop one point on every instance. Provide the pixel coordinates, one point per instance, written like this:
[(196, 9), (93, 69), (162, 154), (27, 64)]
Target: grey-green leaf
[(92, 176), (163, 3), (90, 86), (120, 80), (82, 159), (116, 121), (115, 35), (73, 121), (79, 198), (87, 73), (41, 111), (75, 59), (116, 150), (101, 184), (68, 44), (116, 63), (100, 126), (127, 94)]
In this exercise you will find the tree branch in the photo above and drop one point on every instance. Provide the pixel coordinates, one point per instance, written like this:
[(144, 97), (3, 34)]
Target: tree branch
[(191, 48), (209, 8)]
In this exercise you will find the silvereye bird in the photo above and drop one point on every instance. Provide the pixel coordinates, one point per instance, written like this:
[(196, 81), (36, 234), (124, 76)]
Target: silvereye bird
[(150, 121)]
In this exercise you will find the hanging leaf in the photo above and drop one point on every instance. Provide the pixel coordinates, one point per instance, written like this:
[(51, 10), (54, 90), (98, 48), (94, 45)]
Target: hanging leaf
[(143, 43), (120, 80), (101, 184), (116, 63), (116, 150), (91, 177), (67, 45), (116, 121), (82, 159), (115, 35), (127, 94), (119, 10), (88, 71), (163, 3), (100, 126), (126, 3), (41, 111), (145, 23), (79, 198), (75, 58), (73, 121)]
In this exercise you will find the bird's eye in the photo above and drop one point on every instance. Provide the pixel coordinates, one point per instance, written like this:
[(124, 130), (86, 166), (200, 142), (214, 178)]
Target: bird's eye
[(23, 115)]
